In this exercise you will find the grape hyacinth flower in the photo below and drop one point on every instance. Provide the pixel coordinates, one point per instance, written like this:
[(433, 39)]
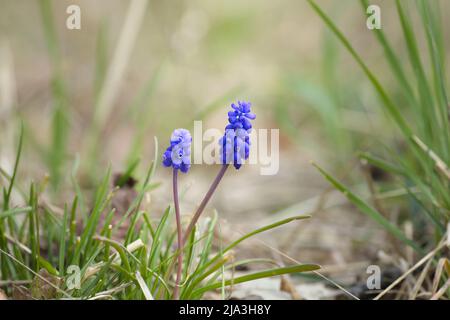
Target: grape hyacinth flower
[(234, 148), (240, 116), (235, 144), (178, 156)]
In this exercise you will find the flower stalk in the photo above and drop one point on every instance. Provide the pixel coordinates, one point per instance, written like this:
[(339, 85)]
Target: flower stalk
[(177, 156), (205, 201), (176, 291), (234, 148)]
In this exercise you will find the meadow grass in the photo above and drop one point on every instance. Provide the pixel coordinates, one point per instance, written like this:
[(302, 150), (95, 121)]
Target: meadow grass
[(419, 109), (43, 245), (41, 242), (78, 250)]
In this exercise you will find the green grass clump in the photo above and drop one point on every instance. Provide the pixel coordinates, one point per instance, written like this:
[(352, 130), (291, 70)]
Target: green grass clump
[(49, 253), (420, 111)]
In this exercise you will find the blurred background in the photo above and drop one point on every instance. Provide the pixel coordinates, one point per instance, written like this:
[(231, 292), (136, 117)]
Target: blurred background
[(139, 69)]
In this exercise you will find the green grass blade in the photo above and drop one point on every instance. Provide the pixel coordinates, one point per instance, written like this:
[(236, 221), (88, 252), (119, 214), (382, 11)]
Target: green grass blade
[(426, 101), (76, 186), (138, 200), (248, 235), (387, 102), (33, 231), (72, 226), (128, 173), (188, 292), (6, 266), (156, 240), (62, 242), (14, 175), (263, 229), (437, 64), (14, 211), (89, 229), (208, 241), (121, 250), (101, 59), (368, 210), (60, 119), (382, 164), (392, 59), (258, 275)]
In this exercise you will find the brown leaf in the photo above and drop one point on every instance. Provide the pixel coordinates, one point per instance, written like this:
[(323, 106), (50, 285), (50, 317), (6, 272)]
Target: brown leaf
[(3, 295), (122, 200), (287, 286), (45, 289), (21, 293)]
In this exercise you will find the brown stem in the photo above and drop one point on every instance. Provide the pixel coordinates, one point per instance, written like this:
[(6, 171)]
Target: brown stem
[(204, 202), (176, 291)]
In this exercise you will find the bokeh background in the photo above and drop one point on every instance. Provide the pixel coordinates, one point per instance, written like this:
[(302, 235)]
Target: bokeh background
[(100, 94)]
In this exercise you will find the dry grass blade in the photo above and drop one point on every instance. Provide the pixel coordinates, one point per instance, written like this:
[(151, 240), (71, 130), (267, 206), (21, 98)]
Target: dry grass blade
[(37, 274), (441, 291), (7, 80), (448, 234), (8, 98), (288, 257), (429, 256), (419, 282), (108, 293), (440, 164), (287, 286), (4, 283), (144, 287), (438, 274), (120, 59), (102, 297), (17, 243)]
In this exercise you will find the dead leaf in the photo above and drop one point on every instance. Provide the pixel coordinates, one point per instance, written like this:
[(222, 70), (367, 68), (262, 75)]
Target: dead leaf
[(45, 289), (287, 286), (21, 293), (3, 295)]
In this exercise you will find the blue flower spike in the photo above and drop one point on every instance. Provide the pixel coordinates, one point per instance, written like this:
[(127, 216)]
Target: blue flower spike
[(178, 154), (240, 116), (234, 148), (235, 144)]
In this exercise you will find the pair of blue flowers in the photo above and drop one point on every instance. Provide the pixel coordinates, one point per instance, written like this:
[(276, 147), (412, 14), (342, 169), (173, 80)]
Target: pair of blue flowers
[(234, 148), (234, 145)]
